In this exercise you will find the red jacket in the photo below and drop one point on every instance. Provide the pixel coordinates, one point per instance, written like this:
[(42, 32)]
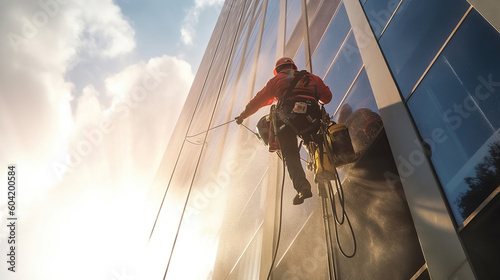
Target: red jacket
[(277, 86)]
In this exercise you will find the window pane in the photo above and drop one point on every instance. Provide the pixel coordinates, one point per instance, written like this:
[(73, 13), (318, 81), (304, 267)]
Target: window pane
[(267, 55), (300, 58), (415, 35), (343, 71), (320, 19), (456, 111), (379, 12), (331, 42), (293, 15), (359, 112)]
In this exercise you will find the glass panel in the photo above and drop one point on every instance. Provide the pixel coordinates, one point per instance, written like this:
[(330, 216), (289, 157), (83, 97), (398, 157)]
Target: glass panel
[(456, 111), (343, 72), (359, 112), (294, 218), (331, 42), (272, 10), (294, 10), (300, 58), (253, 37), (480, 238), (267, 55), (248, 266), (415, 35), (224, 212), (379, 12), (319, 21)]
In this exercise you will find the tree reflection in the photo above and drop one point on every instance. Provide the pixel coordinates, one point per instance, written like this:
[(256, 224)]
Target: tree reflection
[(486, 181)]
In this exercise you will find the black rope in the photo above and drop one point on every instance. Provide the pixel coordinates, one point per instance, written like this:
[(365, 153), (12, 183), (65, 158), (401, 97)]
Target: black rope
[(345, 217), (340, 194), (340, 221), (280, 222), (326, 223)]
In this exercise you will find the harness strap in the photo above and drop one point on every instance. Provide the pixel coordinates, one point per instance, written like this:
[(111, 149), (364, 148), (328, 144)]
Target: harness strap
[(290, 93), (296, 79)]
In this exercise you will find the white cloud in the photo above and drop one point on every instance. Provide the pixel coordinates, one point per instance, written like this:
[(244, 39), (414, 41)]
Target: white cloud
[(43, 39), (192, 17), (103, 30), (105, 148), (116, 149)]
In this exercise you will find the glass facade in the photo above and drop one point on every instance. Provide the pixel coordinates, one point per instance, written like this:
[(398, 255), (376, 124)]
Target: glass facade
[(223, 211), (459, 93), (444, 57)]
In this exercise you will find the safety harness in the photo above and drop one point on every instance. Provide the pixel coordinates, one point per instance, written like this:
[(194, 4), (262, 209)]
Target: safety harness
[(299, 107)]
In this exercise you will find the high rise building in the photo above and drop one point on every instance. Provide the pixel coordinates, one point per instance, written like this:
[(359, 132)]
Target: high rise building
[(418, 85)]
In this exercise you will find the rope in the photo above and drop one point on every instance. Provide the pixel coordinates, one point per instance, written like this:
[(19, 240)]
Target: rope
[(226, 123), (340, 195), (254, 133), (217, 126), (280, 221), (337, 222)]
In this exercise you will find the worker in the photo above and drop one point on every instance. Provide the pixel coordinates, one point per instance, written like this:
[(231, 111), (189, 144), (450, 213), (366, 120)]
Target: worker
[(298, 114)]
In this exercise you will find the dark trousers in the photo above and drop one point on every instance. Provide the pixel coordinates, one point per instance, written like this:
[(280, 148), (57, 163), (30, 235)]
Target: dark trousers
[(290, 151)]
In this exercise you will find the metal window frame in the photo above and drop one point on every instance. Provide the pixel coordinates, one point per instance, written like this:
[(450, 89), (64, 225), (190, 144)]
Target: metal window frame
[(489, 9), (440, 243)]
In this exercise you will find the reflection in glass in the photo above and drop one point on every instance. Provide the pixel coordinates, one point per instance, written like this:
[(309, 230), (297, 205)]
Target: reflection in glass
[(331, 42), (267, 54), (379, 12), (415, 35), (300, 57), (485, 181), (343, 72), (359, 112), (456, 107), (293, 15)]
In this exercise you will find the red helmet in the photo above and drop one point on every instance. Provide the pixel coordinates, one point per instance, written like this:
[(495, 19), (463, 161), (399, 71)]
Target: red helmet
[(284, 61)]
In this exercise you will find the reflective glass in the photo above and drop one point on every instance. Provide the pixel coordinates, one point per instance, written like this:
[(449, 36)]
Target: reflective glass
[(379, 12), (222, 195), (456, 111), (250, 46), (343, 72), (331, 42), (360, 95), (320, 20), (481, 240), (272, 9), (359, 112), (415, 35), (300, 58), (267, 54), (294, 10)]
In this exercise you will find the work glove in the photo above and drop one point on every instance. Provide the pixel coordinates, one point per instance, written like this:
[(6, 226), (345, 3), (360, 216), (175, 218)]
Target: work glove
[(239, 120)]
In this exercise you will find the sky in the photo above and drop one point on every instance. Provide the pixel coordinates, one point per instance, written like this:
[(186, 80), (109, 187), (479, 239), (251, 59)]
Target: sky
[(90, 92)]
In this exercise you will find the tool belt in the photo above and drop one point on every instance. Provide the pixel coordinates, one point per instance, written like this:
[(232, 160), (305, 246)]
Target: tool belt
[(302, 116)]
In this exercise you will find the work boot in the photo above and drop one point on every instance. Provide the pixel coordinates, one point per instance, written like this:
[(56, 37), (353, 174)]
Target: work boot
[(301, 195)]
